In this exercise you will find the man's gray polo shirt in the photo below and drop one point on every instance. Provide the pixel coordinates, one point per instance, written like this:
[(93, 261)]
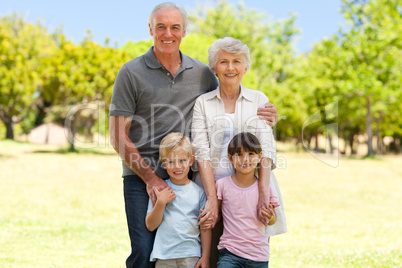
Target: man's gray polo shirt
[(158, 103)]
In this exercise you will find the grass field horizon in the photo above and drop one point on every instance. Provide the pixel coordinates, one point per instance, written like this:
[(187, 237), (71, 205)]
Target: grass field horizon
[(62, 209)]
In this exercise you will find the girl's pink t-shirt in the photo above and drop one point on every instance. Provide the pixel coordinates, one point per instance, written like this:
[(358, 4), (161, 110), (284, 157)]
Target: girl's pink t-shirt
[(243, 233)]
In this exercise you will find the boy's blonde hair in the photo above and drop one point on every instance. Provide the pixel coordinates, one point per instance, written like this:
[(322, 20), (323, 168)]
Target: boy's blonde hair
[(173, 142)]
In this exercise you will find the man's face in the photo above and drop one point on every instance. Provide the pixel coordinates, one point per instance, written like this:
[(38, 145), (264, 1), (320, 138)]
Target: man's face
[(167, 30)]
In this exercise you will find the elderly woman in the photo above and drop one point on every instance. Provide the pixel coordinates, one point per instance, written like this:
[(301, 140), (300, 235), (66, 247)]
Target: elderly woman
[(217, 117)]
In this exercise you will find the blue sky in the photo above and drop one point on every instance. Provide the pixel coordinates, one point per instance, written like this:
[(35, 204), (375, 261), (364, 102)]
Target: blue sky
[(124, 20)]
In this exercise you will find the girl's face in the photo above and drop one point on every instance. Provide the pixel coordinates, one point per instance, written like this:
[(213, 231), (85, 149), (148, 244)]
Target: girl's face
[(245, 162)]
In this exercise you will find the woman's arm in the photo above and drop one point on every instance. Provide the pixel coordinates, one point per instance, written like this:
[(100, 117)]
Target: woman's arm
[(208, 181), (200, 141), (265, 135), (264, 173)]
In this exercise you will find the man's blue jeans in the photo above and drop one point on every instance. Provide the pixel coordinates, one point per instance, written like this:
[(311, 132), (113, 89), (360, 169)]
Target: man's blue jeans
[(136, 203), (229, 260)]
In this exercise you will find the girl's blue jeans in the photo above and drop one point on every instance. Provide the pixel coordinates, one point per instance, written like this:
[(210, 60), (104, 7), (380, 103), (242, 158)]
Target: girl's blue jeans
[(229, 260)]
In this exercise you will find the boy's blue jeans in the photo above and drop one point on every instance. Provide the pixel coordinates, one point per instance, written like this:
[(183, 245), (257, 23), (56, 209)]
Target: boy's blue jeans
[(229, 260), (136, 203)]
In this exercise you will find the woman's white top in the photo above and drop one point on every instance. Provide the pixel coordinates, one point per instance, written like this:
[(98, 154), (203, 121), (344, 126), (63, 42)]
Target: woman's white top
[(208, 134), (209, 119), (225, 168)]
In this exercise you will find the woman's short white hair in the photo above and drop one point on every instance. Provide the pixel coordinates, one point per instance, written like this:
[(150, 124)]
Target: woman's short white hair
[(231, 45), (170, 5)]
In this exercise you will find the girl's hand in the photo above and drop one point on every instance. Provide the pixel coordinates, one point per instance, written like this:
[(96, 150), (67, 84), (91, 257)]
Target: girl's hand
[(269, 213)]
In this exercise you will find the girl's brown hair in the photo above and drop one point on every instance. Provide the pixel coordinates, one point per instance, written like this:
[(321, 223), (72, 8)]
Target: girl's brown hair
[(246, 141)]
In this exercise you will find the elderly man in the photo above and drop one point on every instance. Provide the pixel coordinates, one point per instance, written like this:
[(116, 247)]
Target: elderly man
[(154, 95)]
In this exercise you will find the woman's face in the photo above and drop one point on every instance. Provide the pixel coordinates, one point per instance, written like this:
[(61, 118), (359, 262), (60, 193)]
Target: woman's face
[(230, 68)]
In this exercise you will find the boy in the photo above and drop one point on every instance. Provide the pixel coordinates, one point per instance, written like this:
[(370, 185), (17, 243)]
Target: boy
[(177, 241), (243, 241)]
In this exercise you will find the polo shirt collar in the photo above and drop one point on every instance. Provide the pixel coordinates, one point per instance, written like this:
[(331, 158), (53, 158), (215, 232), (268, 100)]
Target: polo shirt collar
[(244, 93), (151, 62)]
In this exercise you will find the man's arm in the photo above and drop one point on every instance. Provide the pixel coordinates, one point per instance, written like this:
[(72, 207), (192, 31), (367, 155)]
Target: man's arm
[(119, 127), (268, 113)]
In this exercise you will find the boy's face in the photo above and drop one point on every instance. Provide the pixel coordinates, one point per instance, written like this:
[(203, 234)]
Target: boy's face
[(245, 162), (177, 165)]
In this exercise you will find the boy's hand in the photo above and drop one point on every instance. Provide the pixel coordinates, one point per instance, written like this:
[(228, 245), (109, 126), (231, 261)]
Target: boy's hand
[(206, 222), (203, 262), (165, 196)]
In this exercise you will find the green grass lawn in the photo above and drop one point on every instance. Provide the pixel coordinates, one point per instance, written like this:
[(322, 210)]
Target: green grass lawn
[(67, 210)]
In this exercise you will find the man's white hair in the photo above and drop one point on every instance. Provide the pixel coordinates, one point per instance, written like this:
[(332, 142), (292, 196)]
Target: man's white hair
[(170, 5)]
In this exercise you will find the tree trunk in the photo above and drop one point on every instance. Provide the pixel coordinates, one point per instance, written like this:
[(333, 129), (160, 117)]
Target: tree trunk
[(10, 129), (72, 132), (369, 128), (351, 142), (310, 137), (331, 148), (72, 146), (379, 137)]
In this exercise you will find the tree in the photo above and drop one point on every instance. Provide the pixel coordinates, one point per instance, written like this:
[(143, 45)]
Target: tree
[(79, 76), (374, 46), (24, 47), (272, 55)]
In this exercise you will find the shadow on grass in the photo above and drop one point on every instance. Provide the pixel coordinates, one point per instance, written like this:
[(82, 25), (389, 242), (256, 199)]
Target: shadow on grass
[(4, 157), (8, 142), (14, 145), (77, 151), (367, 157)]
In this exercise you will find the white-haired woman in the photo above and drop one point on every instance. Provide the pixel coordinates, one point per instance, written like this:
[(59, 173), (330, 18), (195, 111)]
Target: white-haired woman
[(217, 117)]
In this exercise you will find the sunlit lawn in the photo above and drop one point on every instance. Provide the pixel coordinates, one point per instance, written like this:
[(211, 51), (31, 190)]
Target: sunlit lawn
[(67, 210)]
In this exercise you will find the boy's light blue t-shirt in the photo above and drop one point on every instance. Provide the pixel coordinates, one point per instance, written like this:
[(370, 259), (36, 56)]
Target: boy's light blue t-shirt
[(178, 235)]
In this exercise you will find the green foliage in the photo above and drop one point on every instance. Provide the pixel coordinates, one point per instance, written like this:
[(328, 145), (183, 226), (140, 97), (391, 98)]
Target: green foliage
[(138, 48), (272, 55), (196, 46), (359, 69), (24, 47)]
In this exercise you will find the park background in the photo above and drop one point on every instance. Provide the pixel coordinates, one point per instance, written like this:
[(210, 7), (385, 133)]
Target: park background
[(339, 134)]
